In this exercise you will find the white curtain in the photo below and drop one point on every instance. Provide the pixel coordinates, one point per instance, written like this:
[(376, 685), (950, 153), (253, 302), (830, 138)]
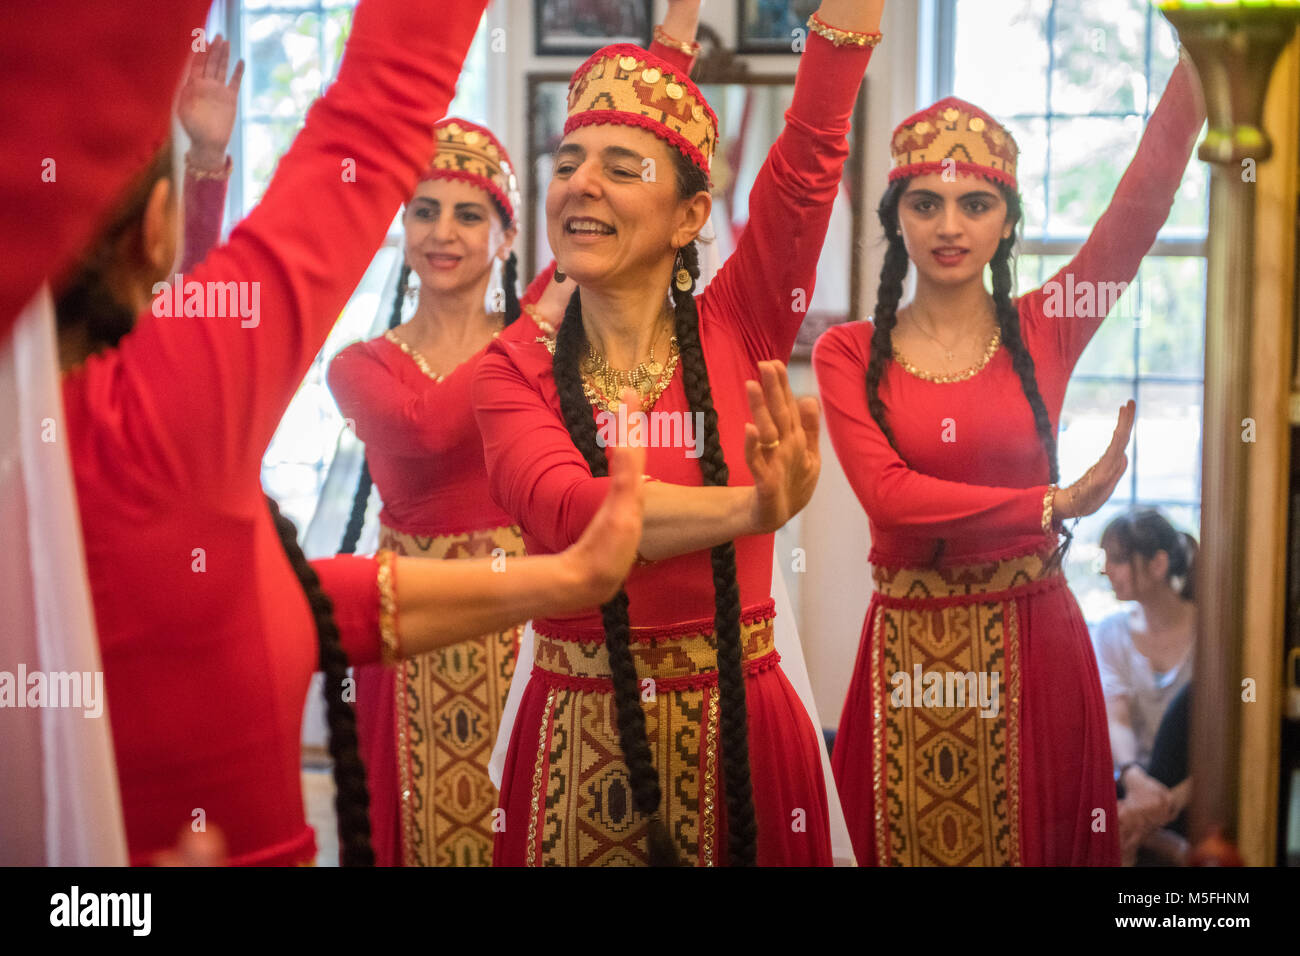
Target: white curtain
[(58, 778)]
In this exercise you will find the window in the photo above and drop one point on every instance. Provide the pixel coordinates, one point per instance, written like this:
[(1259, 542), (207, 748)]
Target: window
[(1076, 82), (292, 50)]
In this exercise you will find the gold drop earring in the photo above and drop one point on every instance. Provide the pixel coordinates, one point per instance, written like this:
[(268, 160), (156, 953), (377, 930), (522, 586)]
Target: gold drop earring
[(683, 279)]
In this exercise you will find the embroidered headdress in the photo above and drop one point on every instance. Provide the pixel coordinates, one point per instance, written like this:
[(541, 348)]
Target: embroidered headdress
[(626, 84), (468, 152), (953, 134)]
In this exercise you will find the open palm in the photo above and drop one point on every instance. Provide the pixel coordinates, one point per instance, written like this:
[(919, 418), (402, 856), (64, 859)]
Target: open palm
[(207, 103)]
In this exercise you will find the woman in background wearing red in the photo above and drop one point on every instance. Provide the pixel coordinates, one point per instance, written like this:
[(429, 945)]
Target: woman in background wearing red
[(428, 728)]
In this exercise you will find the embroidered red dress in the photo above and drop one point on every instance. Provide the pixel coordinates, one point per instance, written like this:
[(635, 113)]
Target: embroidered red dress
[(427, 727), (1027, 781), (564, 788), (207, 641)]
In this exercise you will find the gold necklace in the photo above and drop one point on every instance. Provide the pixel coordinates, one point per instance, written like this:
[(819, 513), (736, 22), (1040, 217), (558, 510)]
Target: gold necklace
[(649, 389), (955, 376), (417, 356)]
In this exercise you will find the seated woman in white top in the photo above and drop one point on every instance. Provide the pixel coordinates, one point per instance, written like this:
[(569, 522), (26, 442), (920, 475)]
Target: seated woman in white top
[(1144, 655)]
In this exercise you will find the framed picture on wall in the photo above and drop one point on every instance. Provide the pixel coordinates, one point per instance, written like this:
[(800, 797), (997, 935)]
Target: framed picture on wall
[(581, 27), (768, 26)]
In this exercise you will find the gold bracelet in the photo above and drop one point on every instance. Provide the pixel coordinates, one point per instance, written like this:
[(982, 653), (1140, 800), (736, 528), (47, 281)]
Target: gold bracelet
[(391, 648), (842, 37), (200, 172), (1047, 508), (690, 49)]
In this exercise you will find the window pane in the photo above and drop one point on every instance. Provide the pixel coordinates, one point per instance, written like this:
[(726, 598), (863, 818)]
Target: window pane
[(1031, 171), (1002, 85), (1168, 431), (1087, 423), (284, 64), (1172, 333), (264, 144), (1110, 353), (1100, 56), (1088, 158)]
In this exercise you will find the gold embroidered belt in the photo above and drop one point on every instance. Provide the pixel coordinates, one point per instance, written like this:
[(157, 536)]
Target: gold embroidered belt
[(674, 663), (991, 580)]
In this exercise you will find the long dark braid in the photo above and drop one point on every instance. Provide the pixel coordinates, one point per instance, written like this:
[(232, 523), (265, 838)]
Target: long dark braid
[(357, 518), (890, 291), (570, 342), (742, 828), (352, 796)]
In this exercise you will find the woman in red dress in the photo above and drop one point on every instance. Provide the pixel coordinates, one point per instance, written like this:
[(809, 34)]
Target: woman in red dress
[(944, 415), (655, 725), (205, 630), (427, 729)]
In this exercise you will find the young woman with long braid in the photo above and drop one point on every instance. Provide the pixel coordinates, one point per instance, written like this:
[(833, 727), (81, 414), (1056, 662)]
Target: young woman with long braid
[(428, 728), (203, 601), (658, 728), (944, 415)]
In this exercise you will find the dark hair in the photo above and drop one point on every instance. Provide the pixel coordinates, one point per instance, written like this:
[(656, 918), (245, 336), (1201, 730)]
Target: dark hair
[(510, 282), (86, 298), (84, 295), (1147, 531), (571, 341), (352, 796), (892, 274)]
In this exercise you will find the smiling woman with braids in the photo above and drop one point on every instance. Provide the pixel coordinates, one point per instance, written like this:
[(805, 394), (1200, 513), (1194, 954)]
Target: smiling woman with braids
[(944, 415), (427, 727), (658, 728), (210, 620)]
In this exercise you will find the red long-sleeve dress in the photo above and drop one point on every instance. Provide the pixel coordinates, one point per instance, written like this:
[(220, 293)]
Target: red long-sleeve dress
[(427, 727), (208, 645), (1030, 784), (564, 789)]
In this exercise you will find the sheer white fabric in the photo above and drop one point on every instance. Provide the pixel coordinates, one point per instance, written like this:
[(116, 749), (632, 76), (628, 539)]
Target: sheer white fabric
[(59, 785)]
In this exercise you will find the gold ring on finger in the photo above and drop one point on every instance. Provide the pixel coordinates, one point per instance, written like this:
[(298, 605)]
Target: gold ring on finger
[(769, 445)]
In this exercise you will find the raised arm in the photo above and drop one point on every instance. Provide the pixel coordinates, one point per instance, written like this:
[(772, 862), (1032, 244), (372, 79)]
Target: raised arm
[(206, 107), (768, 280), (681, 22), (895, 497), (216, 387), (1122, 236)]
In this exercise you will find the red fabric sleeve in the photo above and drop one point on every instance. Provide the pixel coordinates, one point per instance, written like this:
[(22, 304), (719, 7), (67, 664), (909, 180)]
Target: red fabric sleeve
[(683, 61), (535, 473), (200, 398), (352, 584), (1128, 227), (205, 202), (391, 416), (895, 497), (72, 95), (790, 204)]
